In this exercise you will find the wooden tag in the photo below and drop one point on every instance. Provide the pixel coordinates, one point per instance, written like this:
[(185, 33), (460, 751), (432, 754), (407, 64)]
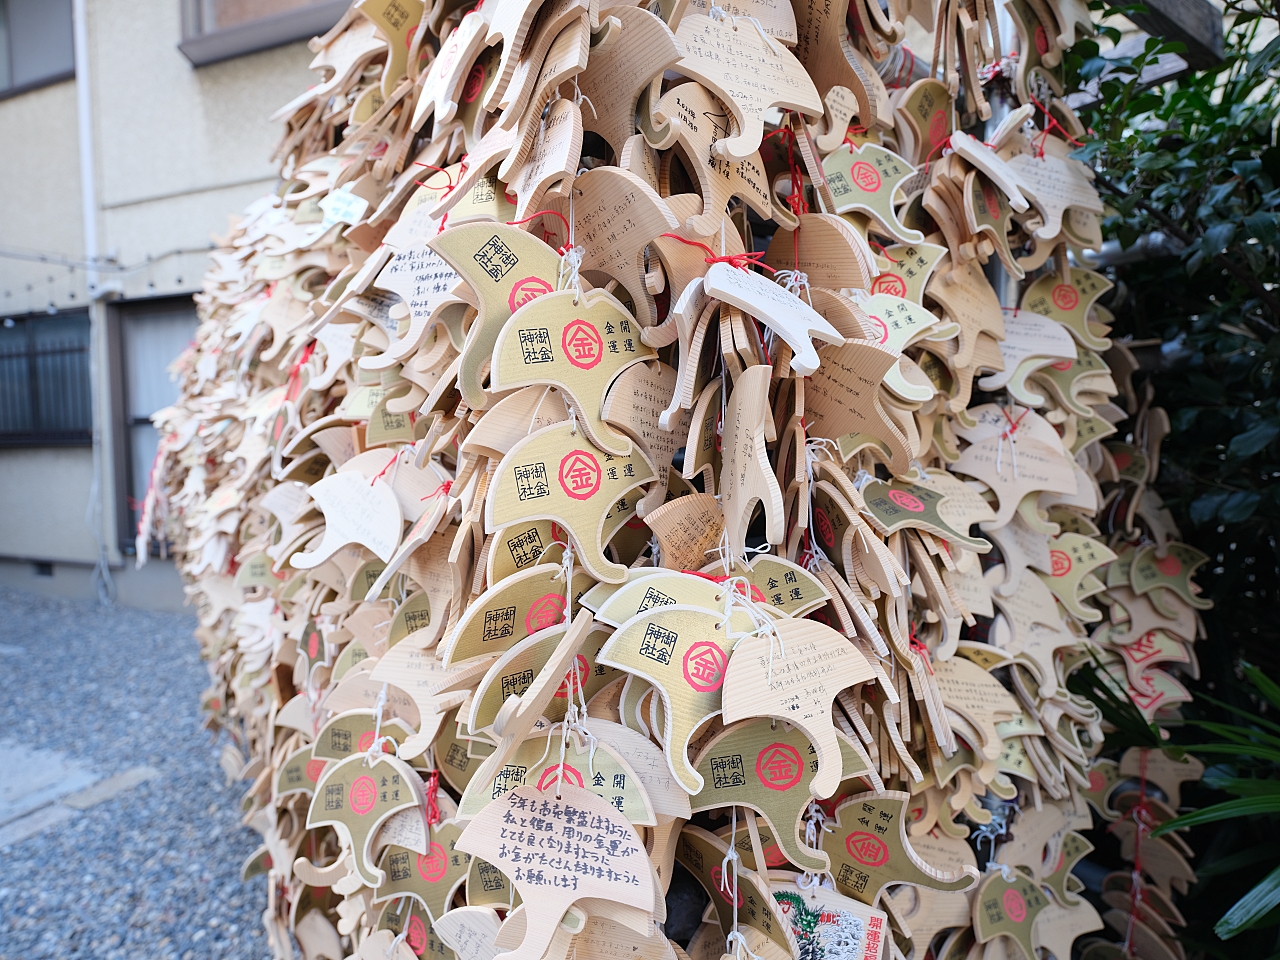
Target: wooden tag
[(679, 650), (762, 764), (1070, 303), (748, 477), (556, 475), (513, 830), (432, 878), (843, 398), (356, 511), (356, 798), (869, 849), (506, 268), (866, 179), (797, 685), (748, 72), (577, 344), (1008, 908)]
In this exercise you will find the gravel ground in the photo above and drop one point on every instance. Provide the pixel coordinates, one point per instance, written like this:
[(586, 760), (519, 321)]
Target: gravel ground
[(153, 872)]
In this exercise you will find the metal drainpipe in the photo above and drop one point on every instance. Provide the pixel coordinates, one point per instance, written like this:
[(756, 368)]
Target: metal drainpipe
[(1004, 283), (95, 517)]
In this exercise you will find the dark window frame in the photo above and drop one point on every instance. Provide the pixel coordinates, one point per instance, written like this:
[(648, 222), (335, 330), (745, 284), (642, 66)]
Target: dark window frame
[(203, 48), (27, 86), (30, 357)]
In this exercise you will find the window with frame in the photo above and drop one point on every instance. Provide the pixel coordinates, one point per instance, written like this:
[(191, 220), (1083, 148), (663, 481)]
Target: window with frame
[(36, 45), (46, 397), (214, 30)]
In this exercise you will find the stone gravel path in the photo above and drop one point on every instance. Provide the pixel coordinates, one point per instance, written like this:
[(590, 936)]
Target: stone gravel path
[(134, 847)]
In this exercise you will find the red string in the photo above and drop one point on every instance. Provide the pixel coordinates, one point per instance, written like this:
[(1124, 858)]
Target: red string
[(443, 488), (937, 147), (307, 351), (1051, 123), (919, 648), (1013, 424), (433, 805), (855, 130), (1141, 814), (884, 252), (431, 166), (394, 457), (743, 261), (543, 213), (795, 200)]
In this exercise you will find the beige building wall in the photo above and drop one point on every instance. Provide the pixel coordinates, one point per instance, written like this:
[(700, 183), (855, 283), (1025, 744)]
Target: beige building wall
[(177, 149)]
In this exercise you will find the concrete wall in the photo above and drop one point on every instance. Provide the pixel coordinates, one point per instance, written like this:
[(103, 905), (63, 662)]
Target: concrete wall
[(43, 494), (177, 149)]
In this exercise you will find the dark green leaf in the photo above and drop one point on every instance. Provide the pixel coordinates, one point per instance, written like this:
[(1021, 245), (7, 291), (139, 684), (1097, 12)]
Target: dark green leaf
[(1240, 506), (1254, 439), (1250, 908)]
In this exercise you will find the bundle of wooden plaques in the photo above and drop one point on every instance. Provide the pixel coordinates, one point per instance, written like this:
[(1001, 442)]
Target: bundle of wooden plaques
[(605, 458)]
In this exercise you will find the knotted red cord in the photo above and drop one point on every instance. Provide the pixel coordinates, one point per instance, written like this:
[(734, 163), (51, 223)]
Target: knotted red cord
[(743, 261), (307, 351), (1051, 123), (543, 213), (443, 488), (394, 457), (433, 805)]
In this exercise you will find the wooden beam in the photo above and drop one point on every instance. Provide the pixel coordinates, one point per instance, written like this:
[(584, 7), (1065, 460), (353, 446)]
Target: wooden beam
[(1197, 23)]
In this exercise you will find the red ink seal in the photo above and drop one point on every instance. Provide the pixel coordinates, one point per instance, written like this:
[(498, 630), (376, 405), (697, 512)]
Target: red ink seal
[(433, 864), (906, 501), (991, 201), (865, 176), (416, 936), (580, 475), (1096, 781), (546, 611), (475, 80), (1042, 41), (889, 283), (1063, 364), (773, 856), (717, 880), (314, 769), (313, 644), (1065, 297), (704, 667), (1122, 460), (867, 848), (364, 794), (582, 344), (882, 327), (580, 664), (1014, 905), (1170, 566), (779, 766), (530, 288), (552, 775), (938, 126), (1061, 563), (822, 527)]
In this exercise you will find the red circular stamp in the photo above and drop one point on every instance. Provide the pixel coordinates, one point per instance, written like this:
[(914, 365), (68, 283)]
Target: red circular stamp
[(364, 794), (1122, 460), (1042, 41), (867, 848), (889, 283), (938, 126), (773, 855), (314, 769), (822, 527), (1096, 780), (908, 502), (552, 776), (530, 288), (1065, 297), (365, 741), (991, 200), (779, 766), (1014, 906), (865, 176), (717, 879), (1061, 562), (580, 475), (546, 611), (704, 666), (582, 344), (1170, 566), (313, 644), (416, 936), (1063, 365), (581, 666), (475, 80), (433, 864), (882, 327)]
